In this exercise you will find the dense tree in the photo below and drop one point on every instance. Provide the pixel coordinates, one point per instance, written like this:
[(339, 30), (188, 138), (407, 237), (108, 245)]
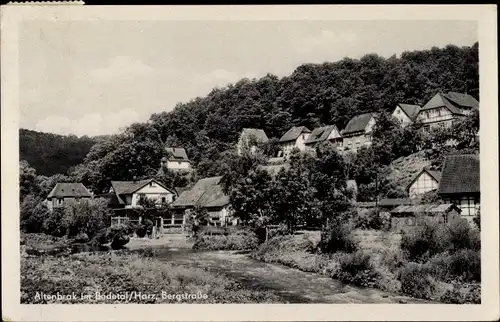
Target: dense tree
[(51, 153)]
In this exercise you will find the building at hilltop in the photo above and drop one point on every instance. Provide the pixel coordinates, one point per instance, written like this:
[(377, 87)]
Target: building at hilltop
[(176, 159), (443, 109), (328, 133), (406, 113), (294, 138), (358, 132), (460, 183), (66, 193), (250, 139)]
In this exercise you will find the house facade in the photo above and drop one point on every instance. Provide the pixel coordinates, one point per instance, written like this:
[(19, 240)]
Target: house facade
[(406, 113), (127, 194), (460, 184), (296, 137), (207, 194), (425, 181), (443, 109), (249, 139), (176, 159), (66, 193), (358, 132), (328, 133)]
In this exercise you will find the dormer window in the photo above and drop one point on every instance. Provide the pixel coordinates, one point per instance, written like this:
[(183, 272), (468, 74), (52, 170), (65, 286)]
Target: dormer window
[(152, 184)]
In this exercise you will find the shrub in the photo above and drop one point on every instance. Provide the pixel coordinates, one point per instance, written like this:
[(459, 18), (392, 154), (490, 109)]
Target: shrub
[(357, 269), (462, 294), (33, 213), (417, 281), (241, 240), (462, 236), (464, 265), (281, 230), (421, 242), (52, 224), (337, 237)]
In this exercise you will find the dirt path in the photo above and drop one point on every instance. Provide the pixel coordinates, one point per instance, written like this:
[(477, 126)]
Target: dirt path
[(292, 285)]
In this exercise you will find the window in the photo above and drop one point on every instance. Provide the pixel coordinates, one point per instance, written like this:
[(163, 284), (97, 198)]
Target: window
[(163, 199), (398, 111), (152, 184), (427, 128), (179, 162), (60, 201)]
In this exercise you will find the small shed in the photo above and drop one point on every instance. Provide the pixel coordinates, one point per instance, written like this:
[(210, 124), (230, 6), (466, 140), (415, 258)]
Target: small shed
[(412, 215)]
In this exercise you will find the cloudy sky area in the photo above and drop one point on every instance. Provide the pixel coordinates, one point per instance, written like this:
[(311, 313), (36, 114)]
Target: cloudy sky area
[(91, 78)]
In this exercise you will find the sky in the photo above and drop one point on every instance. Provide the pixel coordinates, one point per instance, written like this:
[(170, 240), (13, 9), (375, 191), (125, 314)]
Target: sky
[(97, 77)]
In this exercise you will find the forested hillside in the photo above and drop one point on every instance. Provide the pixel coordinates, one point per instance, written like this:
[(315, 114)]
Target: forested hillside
[(51, 153), (313, 95)]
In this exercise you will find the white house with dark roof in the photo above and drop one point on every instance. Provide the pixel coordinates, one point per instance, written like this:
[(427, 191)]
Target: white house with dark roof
[(328, 133), (126, 194), (208, 194), (460, 183), (296, 137), (68, 192), (406, 113), (442, 109), (249, 139), (424, 181), (358, 132), (176, 159)]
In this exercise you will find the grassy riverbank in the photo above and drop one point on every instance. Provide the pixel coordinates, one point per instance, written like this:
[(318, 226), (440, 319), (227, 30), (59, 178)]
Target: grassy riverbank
[(122, 272), (449, 277)]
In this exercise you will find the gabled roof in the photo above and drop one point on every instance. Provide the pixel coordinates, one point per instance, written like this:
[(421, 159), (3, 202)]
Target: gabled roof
[(453, 101), (259, 134), (460, 175), (357, 123), (436, 175), (321, 134), (293, 133), (464, 100), (69, 189), (176, 154), (411, 110), (206, 192)]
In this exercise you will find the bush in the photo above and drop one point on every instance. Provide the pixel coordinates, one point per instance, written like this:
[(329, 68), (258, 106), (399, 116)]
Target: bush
[(464, 265), (462, 236), (357, 269), (421, 242), (417, 281), (52, 224), (33, 213), (241, 240), (337, 237), (87, 217), (368, 219), (462, 294)]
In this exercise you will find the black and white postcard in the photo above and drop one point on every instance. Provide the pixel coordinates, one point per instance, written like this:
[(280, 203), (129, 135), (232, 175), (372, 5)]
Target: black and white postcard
[(249, 163)]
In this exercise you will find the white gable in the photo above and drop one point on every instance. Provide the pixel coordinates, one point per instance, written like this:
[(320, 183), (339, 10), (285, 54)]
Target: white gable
[(334, 134), (370, 125), (152, 187)]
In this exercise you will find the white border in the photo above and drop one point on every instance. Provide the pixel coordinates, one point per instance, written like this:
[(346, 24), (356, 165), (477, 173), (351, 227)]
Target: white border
[(11, 16)]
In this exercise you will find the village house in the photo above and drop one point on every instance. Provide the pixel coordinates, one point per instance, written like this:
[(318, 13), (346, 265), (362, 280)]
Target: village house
[(176, 159), (206, 194), (127, 194), (328, 133), (443, 109), (426, 180), (412, 215), (460, 183), (294, 138), (406, 113), (249, 139), (65, 193), (358, 132)]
